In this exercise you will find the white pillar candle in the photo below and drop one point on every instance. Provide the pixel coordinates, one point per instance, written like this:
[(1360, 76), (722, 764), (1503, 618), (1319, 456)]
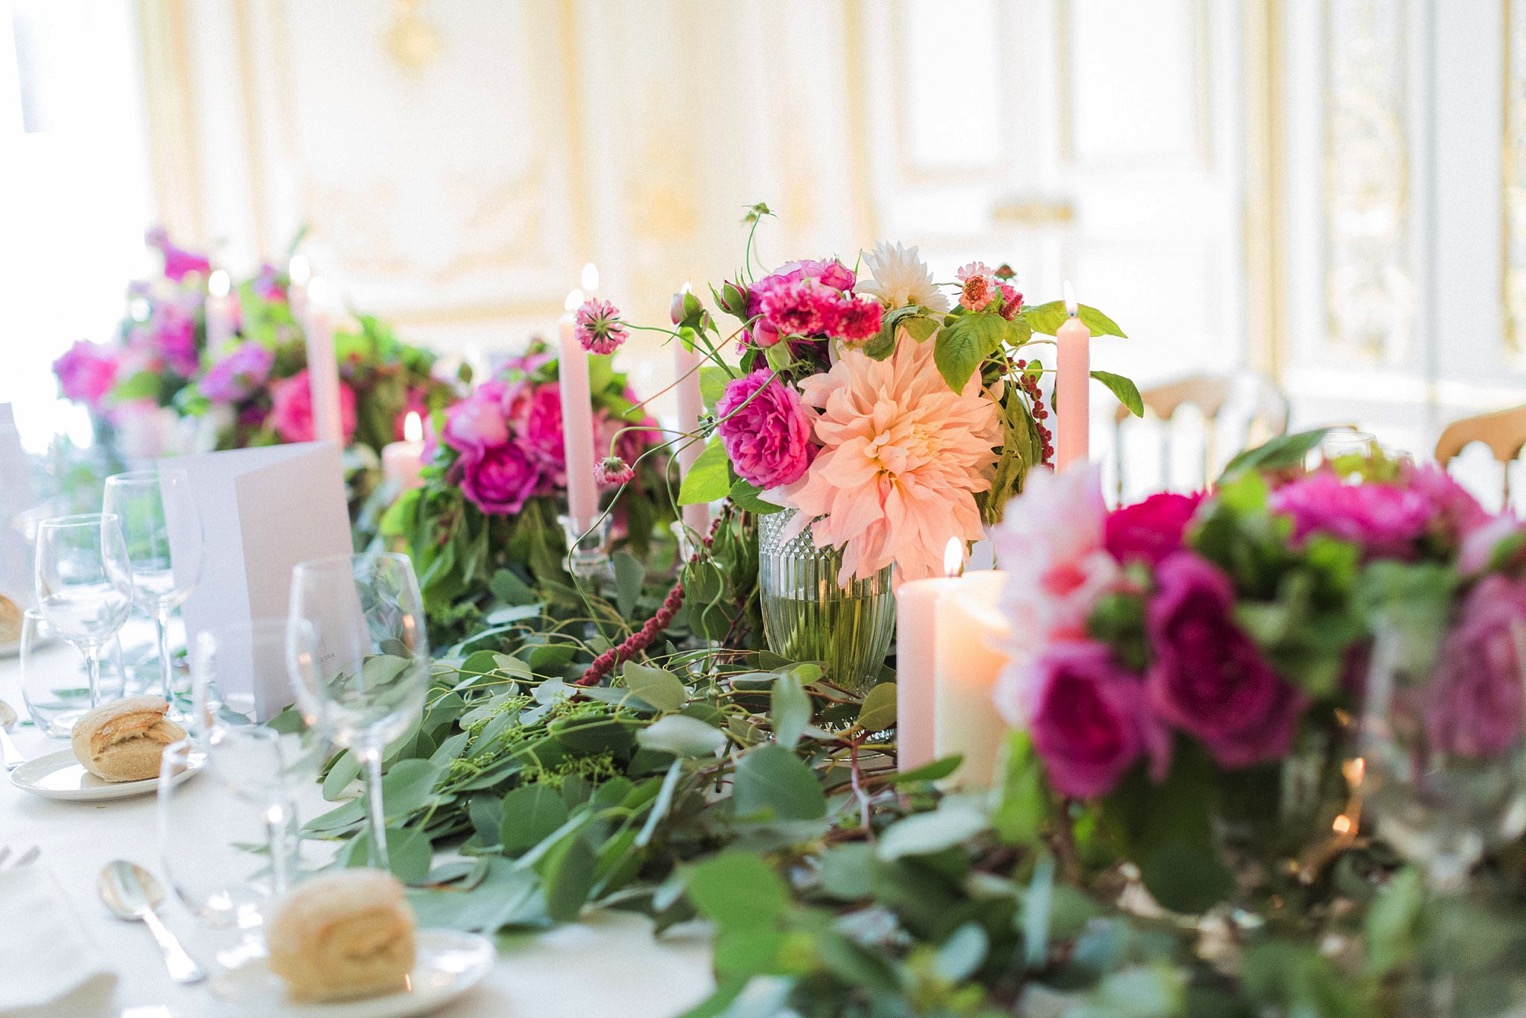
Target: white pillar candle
[(967, 634), (221, 311), (322, 367), (577, 421), (403, 462), (691, 407), (1073, 386)]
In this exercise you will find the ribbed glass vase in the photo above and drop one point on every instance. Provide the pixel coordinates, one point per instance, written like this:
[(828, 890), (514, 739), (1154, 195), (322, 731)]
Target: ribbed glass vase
[(808, 617)]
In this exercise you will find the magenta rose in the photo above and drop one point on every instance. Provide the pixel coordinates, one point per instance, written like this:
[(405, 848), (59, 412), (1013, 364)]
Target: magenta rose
[(1151, 530), (237, 375), (1477, 704), (178, 262), (478, 421), (86, 372), (499, 479), (766, 430), (1208, 677), (1384, 520), (291, 410), (1090, 719)]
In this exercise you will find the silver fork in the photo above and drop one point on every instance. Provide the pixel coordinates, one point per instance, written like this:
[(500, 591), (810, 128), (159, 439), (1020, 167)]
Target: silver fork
[(29, 856)]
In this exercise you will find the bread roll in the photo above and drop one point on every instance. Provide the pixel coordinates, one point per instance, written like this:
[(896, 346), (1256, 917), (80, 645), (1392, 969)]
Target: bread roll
[(343, 935), (123, 740), (10, 620)]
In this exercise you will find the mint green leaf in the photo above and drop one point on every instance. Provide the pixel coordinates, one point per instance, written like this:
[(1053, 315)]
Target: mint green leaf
[(738, 890), (662, 689), (1124, 388), (712, 384), (954, 822), (530, 814), (773, 780), (961, 347), (681, 735), (1047, 319), (878, 709), (709, 478), (962, 953), (629, 575), (749, 497), (408, 851), (790, 710), (1283, 451), (567, 874)]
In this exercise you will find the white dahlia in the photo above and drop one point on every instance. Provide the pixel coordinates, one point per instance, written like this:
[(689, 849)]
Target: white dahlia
[(901, 278)]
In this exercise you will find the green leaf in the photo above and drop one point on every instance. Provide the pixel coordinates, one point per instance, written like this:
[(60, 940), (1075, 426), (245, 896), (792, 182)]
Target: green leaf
[(682, 736), (1280, 453), (712, 384), (955, 821), (409, 785), (567, 874), (662, 689), (749, 497), (709, 479), (935, 771), (408, 851), (629, 576), (1047, 319), (779, 357), (961, 347), (1185, 879), (1123, 388), (738, 890), (920, 328), (877, 712), (530, 814), (772, 780), (142, 385), (790, 710), (1036, 912), (962, 953), (1393, 922), (510, 589), (1024, 805), (847, 871)]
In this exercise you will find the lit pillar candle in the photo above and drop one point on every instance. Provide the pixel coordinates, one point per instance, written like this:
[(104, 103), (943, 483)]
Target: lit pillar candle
[(221, 310), (298, 272), (967, 633), (577, 420), (691, 408), (403, 462), (1073, 386), (916, 614), (322, 367)]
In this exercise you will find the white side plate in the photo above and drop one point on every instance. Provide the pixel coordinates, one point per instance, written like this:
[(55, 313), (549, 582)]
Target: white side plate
[(59, 775)]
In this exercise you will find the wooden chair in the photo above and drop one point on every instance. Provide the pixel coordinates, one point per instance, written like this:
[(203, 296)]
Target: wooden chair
[(1253, 400), (1503, 432)]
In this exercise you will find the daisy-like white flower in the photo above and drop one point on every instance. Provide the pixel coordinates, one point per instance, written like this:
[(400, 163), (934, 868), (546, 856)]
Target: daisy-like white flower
[(599, 328), (901, 277), (901, 460)]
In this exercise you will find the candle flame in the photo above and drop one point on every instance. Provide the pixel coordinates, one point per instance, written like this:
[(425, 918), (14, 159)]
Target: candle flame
[(1070, 299), (219, 283), (318, 291), (1342, 825), (299, 270), (574, 300), (953, 557), (590, 278), (413, 427)]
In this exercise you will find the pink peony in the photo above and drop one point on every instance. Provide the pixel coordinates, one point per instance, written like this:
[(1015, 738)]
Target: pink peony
[(291, 410), (1208, 678), (538, 420), (499, 479), (599, 329), (1477, 705), (1090, 719), (237, 375), (766, 430), (178, 262), (978, 285), (1149, 531), (477, 422), (1384, 520), (86, 373)]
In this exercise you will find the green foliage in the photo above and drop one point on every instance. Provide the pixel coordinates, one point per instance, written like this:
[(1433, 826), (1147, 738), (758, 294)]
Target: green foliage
[(709, 478), (1046, 319), (964, 343)]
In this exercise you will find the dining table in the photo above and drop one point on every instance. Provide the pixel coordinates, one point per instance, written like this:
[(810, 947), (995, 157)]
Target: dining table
[(607, 963)]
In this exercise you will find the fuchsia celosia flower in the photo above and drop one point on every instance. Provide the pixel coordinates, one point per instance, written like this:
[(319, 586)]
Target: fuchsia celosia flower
[(237, 375), (291, 410), (86, 372), (978, 285), (599, 328), (766, 430)]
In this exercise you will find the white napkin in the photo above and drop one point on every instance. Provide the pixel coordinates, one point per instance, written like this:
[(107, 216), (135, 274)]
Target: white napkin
[(45, 952)]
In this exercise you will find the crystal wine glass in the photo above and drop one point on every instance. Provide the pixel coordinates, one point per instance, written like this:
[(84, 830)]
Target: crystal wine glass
[(151, 505), (84, 584), (359, 654), (55, 686)]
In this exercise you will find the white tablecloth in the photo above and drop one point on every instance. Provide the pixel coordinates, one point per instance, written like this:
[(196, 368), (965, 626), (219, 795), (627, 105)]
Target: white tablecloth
[(609, 964)]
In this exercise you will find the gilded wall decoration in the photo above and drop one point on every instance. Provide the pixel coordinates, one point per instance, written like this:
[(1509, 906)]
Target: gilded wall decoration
[(1514, 195)]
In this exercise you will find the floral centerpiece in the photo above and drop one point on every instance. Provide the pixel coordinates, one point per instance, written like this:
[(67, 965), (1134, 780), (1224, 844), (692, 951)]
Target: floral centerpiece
[(1194, 664), (495, 477)]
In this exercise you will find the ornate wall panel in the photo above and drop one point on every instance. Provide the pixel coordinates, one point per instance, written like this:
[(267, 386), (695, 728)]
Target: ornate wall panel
[(1514, 194)]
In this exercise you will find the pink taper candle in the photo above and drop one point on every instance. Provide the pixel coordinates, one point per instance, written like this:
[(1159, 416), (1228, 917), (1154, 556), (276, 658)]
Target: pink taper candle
[(322, 367), (577, 421), (1073, 386), (691, 407)]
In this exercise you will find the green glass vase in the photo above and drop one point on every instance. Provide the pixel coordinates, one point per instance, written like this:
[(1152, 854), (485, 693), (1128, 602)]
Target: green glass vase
[(807, 616)]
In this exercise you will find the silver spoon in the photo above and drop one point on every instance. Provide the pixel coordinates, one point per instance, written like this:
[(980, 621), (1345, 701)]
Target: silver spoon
[(131, 892), (9, 754)]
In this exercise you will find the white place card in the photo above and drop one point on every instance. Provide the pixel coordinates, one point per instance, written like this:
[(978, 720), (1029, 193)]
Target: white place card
[(15, 499), (262, 511)]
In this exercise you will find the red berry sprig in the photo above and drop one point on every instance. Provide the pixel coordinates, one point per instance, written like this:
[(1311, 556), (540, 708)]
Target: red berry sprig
[(637, 642), (1030, 385)]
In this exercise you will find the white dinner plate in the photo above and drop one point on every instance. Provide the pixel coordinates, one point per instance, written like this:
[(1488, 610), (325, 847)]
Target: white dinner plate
[(59, 775), (446, 964)]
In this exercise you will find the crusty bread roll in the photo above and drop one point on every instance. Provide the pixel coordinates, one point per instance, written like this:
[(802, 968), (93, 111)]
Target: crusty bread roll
[(123, 740), (10, 620), (342, 935)]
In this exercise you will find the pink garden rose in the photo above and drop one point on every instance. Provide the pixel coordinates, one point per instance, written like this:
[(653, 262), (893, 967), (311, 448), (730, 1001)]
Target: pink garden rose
[(237, 375), (1208, 678), (769, 438), (1383, 519), (1151, 530), (478, 421), (499, 479), (1477, 704), (1456, 513), (178, 262), (538, 420), (86, 372), (291, 411), (1090, 719)]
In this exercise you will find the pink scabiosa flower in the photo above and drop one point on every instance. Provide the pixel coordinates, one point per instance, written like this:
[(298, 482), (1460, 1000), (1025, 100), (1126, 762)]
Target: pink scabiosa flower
[(902, 459), (612, 471), (978, 285), (291, 409), (270, 284), (765, 429), (599, 328), (178, 262), (86, 373)]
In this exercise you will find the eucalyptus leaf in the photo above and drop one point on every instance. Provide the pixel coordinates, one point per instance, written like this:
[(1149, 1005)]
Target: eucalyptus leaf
[(629, 575), (878, 711), (737, 890), (567, 875), (954, 822), (528, 815), (771, 780), (790, 709), (658, 687), (682, 736)]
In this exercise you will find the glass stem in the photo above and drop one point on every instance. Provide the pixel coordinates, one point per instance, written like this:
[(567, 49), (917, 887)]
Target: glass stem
[(162, 637), (372, 754), (92, 652), (276, 821)]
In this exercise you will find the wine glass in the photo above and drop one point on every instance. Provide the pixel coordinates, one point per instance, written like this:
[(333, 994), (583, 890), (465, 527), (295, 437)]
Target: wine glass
[(239, 681), (84, 584), (54, 686), (358, 651), (153, 504)]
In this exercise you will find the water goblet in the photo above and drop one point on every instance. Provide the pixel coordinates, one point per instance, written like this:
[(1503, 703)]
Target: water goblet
[(358, 651), (152, 504), (84, 584), (56, 687)]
